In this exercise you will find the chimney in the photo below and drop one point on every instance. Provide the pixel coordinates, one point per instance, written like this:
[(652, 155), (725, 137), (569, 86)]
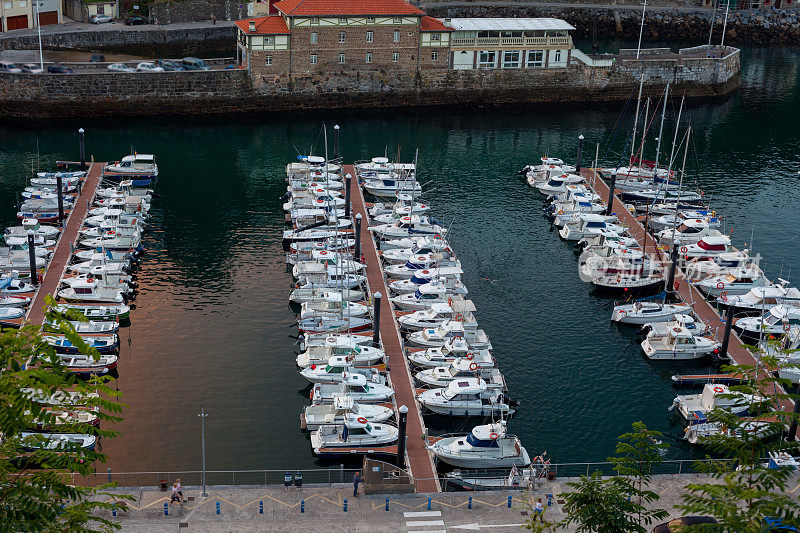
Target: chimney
[(252, 26)]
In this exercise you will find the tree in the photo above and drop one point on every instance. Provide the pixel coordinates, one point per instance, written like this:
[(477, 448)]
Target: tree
[(36, 483), (746, 494), (638, 453)]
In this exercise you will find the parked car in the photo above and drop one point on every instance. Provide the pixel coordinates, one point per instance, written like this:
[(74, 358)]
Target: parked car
[(8, 66), (170, 65), (192, 63), (148, 66), (100, 19), (58, 68), (97, 58), (120, 67), (31, 68), (677, 525), (135, 20)]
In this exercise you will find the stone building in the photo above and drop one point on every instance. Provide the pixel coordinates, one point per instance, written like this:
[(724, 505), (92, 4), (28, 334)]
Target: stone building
[(20, 14), (81, 10)]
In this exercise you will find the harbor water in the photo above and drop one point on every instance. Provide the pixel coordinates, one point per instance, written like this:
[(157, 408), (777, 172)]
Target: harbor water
[(212, 328)]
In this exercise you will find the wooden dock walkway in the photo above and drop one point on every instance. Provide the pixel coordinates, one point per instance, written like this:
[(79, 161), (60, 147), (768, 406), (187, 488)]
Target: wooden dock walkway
[(708, 313), (67, 238), (419, 459)]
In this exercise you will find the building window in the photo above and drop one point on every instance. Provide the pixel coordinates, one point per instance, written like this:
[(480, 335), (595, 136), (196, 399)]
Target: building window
[(535, 59), (269, 40), (268, 61), (314, 20), (370, 20), (8, 5), (101, 9), (511, 59), (342, 20), (341, 36), (23, 3), (487, 59), (368, 58), (557, 57), (436, 36), (341, 59), (397, 20), (434, 56), (395, 57), (396, 37), (313, 59), (313, 37), (369, 36)]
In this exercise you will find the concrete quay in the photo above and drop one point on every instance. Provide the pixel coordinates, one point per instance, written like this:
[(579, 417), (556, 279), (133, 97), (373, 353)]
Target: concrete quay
[(323, 506)]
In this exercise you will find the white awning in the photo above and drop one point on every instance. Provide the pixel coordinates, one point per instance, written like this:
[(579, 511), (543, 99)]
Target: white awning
[(507, 24)]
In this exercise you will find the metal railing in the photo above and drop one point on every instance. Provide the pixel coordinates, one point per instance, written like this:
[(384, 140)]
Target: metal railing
[(514, 41)]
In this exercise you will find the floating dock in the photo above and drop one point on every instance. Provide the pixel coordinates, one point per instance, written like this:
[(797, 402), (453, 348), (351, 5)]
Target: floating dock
[(736, 349), (420, 462), (66, 243)]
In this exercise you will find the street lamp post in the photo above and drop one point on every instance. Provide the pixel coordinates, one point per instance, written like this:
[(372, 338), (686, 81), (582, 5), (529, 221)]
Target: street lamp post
[(203, 417)]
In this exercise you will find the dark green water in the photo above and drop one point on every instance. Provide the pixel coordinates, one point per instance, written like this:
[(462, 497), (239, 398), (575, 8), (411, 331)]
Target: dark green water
[(211, 328)]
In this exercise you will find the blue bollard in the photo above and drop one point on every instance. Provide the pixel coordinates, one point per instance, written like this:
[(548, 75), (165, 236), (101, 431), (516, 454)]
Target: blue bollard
[(217, 507), (509, 502), (261, 507), (387, 504), (469, 504), (114, 510), (429, 504), (166, 509), (344, 505), (302, 506), (549, 500)]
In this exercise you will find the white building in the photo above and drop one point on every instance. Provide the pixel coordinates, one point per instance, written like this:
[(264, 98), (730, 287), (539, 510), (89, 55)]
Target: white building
[(509, 43)]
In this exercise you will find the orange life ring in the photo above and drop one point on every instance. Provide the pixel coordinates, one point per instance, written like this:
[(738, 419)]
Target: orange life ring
[(684, 249), (676, 330), (786, 328), (311, 394), (493, 435), (457, 336), (470, 355), (323, 252), (560, 211), (361, 420), (719, 389), (720, 285), (677, 284), (473, 366)]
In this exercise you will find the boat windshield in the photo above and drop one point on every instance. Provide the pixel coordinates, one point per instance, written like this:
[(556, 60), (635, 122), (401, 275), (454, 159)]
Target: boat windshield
[(475, 442), (448, 395)]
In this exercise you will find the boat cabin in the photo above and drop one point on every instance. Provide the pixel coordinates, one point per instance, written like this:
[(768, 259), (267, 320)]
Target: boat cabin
[(486, 436), (718, 243), (464, 389)]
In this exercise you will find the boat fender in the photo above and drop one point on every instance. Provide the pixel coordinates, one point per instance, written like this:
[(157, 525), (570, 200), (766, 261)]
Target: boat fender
[(720, 284), (719, 389), (493, 435)]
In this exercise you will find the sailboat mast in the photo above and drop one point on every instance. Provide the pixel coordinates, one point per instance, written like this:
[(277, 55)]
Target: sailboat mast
[(644, 133), (661, 131), (675, 138), (636, 119)]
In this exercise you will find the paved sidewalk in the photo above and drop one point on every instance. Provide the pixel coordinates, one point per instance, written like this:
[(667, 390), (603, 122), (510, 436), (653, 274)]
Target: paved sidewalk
[(73, 26), (323, 505)]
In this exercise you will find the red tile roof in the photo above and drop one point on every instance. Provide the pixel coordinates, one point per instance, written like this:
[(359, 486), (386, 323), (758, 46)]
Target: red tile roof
[(432, 24), (342, 8), (264, 25)]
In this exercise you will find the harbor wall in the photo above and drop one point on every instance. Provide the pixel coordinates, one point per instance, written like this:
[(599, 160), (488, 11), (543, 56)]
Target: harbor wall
[(235, 91)]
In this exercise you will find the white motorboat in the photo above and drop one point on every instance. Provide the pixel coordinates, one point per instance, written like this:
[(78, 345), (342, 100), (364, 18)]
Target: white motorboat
[(13, 301), (337, 367), (335, 340), (99, 260), (18, 261), (92, 327), (706, 248), (357, 355), (112, 242), (662, 222), (761, 428), (760, 299), (558, 184), (407, 227), (738, 281), (696, 407), (86, 291), (11, 316), (134, 164), (776, 322), (113, 312), (427, 275), (410, 242), (403, 200), (87, 364), (111, 256), (389, 187), (481, 365), (331, 305), (13, 286), (437, 291), (106, 278), (313, 274), (444, 355), (38, 240), (421, 262), (315, 416), (399, 212), (692, 324), (450, 330), (436, 314), (678, 344), (45, 203), (311, 292), (486, 446), (424, 245), (356, 386), (705, 267), (589, 224), (689, 231), (31, 224), (644, 312), (465, 397), (311, 234), (334, 324), (356, 432), (660, 194), (57, 441), (338, 261), (331, 245)]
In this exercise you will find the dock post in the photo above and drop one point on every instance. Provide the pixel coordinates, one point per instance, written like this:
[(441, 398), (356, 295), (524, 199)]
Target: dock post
[(83, 149), (336, 142), (726, 337), (357, 249), (673, 258), (32, 258), (401, 436), (60, 193), (610, 208), (347, 180), (793, 425), (376, 321), (580, 153)]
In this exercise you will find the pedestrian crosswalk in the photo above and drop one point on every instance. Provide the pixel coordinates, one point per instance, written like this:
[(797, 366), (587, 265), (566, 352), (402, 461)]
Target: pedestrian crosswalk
[(426, 519)]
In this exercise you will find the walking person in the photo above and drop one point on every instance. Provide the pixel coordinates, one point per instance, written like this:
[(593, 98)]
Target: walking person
[(357, 479), (180, 489), (175, 497), (538, 511)]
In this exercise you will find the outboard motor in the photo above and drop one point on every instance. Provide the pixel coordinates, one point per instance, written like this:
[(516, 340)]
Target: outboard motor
[(524, 170), (645, 329), (285, 197)]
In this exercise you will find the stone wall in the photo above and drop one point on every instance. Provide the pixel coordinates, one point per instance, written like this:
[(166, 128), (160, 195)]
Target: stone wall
[(211, 41), (28, 97), (744, 27), (194, 10)]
